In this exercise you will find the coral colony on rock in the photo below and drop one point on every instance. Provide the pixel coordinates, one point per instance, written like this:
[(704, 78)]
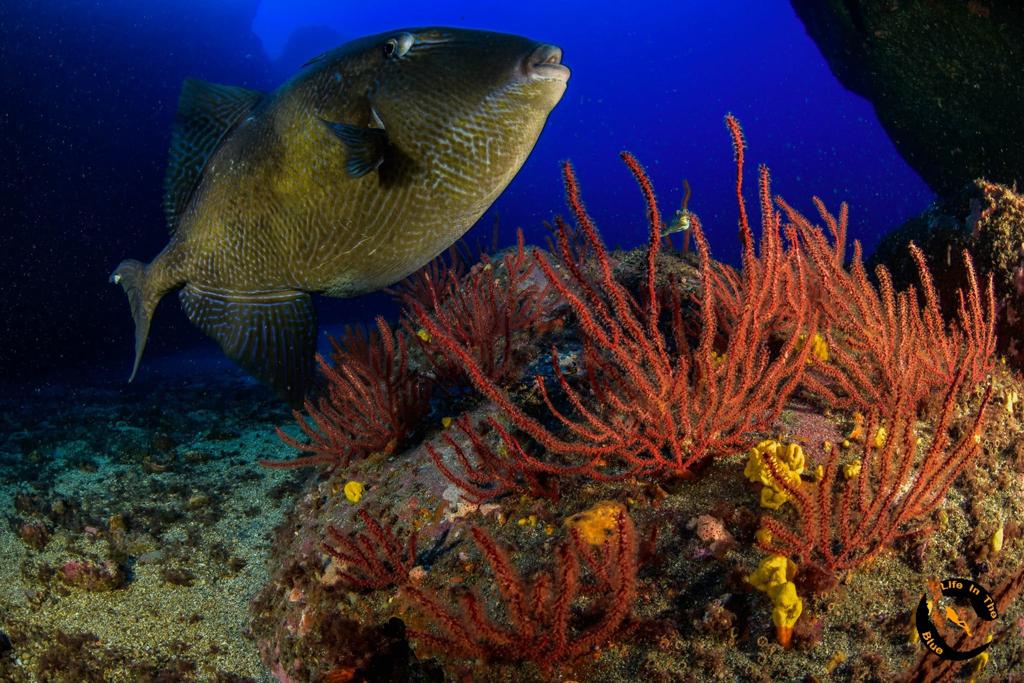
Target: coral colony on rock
[(579, 464), (548, 462), (583, 516)]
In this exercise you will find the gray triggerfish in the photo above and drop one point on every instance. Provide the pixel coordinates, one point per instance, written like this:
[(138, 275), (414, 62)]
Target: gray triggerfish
[(368, 163)]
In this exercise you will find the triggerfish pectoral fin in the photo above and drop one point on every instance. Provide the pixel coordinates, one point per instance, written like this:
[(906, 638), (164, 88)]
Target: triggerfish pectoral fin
[(365, 147), (271, 335)]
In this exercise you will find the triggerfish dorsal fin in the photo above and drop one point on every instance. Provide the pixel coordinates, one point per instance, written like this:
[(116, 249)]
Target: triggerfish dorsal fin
[(322, 57), (206, 113), (271, 335)]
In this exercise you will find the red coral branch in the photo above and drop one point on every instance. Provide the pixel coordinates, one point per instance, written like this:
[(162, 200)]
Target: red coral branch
[(487, 310), (373, 561), (537, 621), (492, 471), (647, 407), (373, 401), (882, 342), (842, 526)]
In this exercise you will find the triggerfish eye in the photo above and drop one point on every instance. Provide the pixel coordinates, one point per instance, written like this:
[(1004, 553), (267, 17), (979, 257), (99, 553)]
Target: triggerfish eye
[(399, 46)]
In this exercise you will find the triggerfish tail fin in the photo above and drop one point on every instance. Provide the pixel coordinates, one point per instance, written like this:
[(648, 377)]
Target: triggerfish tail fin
[(133, 276), (271, 335)]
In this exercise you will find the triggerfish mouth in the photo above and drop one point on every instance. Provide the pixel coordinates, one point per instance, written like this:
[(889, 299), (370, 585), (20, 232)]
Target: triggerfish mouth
[(368, 163)]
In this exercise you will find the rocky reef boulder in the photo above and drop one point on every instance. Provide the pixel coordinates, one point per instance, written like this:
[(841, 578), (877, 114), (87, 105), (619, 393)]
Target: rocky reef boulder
[(945, 80)]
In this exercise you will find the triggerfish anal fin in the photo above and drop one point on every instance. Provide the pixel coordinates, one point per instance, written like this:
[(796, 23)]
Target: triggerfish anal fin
[(206, 113), (271, 335), (365, 147)]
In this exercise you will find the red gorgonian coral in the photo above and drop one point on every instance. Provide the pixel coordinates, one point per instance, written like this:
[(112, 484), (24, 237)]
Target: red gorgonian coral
[(373, 560), (373, 401), (656, 402), (882, 342), (490, 311), (486, 471), (890, 495), (537, 621)]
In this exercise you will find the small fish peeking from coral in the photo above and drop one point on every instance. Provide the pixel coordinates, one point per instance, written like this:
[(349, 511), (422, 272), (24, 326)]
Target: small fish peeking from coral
[(681, 220)]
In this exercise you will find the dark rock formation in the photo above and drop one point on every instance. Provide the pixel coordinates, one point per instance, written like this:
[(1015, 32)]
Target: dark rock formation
[(945, 78), (989, 225)]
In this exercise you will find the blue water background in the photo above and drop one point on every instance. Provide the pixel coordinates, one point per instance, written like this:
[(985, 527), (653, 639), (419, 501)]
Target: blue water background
[(90, 92)]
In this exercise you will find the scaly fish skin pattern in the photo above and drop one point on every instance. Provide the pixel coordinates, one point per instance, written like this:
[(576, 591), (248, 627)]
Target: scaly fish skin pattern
[(359, 170)]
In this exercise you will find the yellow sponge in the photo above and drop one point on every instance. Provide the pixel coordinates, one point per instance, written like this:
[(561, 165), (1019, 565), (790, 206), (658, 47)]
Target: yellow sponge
[(597, 523), (788, 458), (775, 577), (354, 491), (786, 609), (774, 571)]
